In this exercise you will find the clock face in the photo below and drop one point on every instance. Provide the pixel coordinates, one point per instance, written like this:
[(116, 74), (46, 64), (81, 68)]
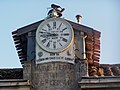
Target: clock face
[(54, 35)]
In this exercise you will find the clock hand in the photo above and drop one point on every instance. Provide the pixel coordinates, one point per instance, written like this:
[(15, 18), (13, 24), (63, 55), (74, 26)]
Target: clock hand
[(45, 34), (51, 34), (48, 34)]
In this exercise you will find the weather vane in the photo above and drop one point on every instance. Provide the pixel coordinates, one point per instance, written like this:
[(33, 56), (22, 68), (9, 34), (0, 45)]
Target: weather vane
[(56, 11)]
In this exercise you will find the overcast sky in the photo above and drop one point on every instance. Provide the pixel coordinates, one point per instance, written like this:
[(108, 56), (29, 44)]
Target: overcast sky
[(102, 15)]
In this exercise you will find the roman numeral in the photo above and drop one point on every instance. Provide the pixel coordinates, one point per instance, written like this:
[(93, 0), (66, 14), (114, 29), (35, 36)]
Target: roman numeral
[(65, 34), (60, 44), (63, 39), (44, 40), (49, 27), (64, 29), (54, 45), (54, 25), (48, 44), (41, 32), (44, 30), (59, 26)]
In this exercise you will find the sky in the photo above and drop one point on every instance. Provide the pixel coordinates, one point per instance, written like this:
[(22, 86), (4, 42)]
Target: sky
[(102, 15)]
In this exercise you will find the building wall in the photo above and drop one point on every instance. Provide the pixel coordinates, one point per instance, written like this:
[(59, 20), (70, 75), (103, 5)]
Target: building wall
[(14, 84), (103, 89), (15, 88), (51, 76)]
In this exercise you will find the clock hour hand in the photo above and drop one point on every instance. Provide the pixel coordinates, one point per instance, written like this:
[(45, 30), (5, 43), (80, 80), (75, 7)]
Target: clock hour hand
[(45, 34), (48, 34), (52, 35)]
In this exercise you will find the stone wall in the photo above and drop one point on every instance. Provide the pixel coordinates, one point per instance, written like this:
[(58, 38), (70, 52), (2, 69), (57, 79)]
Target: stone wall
[(14, 84), (52, 76)]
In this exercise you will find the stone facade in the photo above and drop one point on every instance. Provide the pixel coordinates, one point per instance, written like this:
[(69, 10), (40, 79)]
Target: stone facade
[(54, 76), (85, 73), (14, 84), (100, 83)]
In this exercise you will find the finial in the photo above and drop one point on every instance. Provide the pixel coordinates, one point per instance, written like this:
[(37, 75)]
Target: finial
[(78, 17), (56, 11)]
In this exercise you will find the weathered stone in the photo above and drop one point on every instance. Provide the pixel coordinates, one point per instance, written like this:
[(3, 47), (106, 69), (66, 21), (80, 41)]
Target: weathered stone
[(54, 76)]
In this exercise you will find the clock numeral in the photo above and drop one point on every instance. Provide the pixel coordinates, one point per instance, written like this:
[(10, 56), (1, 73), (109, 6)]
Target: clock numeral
[(60, 44), (44, 40), (63, 39), (59, 26), (48, 44), (41, 32), (49, 27), (65, 34), (54, 25), (44, 30), (54, 45), (43, 36), (64, 29)]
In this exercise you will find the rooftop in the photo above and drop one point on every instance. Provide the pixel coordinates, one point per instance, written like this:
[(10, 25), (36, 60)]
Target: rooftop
[(103, 71)]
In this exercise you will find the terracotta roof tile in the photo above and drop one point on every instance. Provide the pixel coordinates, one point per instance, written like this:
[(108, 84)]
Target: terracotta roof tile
[(105, 70), (111, 69)]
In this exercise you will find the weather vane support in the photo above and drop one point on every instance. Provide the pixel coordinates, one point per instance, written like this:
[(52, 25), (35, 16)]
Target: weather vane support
[(56, 11)]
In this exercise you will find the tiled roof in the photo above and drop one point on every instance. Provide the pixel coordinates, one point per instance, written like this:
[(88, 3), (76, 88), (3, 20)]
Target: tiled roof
[(102, 70), (13, 73), (105, 70), (111, 70)]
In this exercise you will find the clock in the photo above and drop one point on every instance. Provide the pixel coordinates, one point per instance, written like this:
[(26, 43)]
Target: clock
[(54, 35)]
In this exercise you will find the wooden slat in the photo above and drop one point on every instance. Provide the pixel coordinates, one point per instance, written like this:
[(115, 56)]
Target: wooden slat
[(89, 55), (96, 60), (17, 42), (96, 47), (96, 44), (21, 57), (95, 57), (96, 50), (96, 64), (16, 38), (89, 34), (22, 60), (90, 62), (20, 54), (97, 54), (89, 40), (96, 34), (89, 47), (14, 32), (19, 51), (97, 41), (18, 48), (18, 45)]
